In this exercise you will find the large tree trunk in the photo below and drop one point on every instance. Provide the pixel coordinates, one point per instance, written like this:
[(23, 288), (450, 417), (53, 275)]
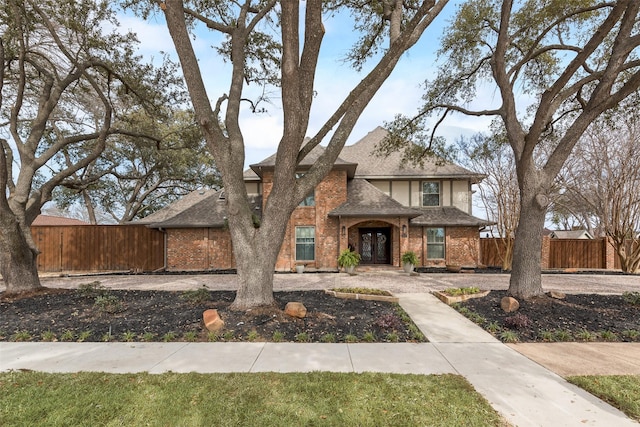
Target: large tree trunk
[(526, 280), (18, 264)]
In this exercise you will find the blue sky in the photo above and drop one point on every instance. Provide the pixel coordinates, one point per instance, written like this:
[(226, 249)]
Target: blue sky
[(400, 94)]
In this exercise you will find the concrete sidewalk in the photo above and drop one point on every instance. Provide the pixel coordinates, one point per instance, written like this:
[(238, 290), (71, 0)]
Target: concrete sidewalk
[(524, 392)]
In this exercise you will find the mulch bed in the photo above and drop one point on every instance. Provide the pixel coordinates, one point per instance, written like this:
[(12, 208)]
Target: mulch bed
[(122, 315), (577, 313)]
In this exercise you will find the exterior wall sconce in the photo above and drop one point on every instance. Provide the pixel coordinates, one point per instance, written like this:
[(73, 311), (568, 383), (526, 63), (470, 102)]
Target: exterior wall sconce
[(404, 230), (343, 231)]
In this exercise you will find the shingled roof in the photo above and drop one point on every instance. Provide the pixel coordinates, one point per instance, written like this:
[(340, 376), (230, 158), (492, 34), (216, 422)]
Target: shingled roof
[(371, 166), (448, 216), (176, 207), (365, 200), (307, 162), (209, 212)]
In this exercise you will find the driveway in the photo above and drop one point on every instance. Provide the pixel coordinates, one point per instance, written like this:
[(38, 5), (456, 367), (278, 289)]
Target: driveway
[(394, 281)]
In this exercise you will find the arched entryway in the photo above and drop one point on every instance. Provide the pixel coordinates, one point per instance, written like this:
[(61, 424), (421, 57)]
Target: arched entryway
[(375, 245)]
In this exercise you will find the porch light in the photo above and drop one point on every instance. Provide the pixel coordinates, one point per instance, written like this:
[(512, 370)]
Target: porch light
[(343, 231), (404, 230)]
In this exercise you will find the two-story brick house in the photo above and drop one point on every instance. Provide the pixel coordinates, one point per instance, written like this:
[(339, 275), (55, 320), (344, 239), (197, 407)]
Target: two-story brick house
[(376, 205)]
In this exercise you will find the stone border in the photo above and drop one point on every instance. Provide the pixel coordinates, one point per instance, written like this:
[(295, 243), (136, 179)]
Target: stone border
[(448, 299), (366, 297)]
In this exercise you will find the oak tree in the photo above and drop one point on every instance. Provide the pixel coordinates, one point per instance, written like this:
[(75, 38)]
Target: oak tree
[(267, 43), (550, 68), (65, 84)]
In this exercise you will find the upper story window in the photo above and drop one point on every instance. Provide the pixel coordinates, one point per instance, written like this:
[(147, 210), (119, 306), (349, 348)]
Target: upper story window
[(431, 193), (310, 200)]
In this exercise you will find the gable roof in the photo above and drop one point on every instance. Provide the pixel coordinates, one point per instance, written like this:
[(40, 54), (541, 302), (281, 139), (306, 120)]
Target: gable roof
[(371, 166), (365, 200), (47, 220), (447, 216), (176, 207), (306, 163), (209, 212)]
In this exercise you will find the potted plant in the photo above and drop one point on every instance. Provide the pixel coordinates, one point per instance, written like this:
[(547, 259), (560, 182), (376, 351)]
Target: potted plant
[(409, 260), (348, 259)]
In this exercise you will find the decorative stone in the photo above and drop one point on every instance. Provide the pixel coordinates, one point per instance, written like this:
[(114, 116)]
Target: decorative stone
[(295, 309), (212, 320), (509, 304), (557, 295)]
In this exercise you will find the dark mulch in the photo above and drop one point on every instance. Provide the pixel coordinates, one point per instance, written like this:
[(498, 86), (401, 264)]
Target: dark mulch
[(158, 314), (575, 314)]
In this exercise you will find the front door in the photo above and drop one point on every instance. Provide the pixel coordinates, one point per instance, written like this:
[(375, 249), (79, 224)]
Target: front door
[(375, 244)]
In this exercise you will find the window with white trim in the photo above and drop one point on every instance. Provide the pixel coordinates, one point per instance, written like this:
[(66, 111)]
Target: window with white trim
[(431, 193), (305, 243), (435, 243)]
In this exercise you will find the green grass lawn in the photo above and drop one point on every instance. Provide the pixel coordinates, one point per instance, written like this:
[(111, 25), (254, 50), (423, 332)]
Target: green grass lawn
[(621, 391), (269, 399)]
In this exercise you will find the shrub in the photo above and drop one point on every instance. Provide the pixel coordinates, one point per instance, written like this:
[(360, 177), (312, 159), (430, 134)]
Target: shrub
[(585, 335), (328, 338), (632, 298), (518, 321), (393, 337), (198, 296), (48, 336), (277, 336), (169, 336), (608, 336), (109, 304), (509, 336), (631, 334), (368, 337), (92, 289), (128, 336), (190, 336), (67, 336), (350, 338), (388, 321), (20, 336), (562, 335), (84, 335), (303, 337), (461, 291), (252, 335)]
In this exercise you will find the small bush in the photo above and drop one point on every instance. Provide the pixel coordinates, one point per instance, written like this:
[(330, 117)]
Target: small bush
[(169, 336), (631, 334), (388, 322), (350, 338), (303, 337), (147, 336), (493, 327), (547, 335), (92, 289), (518, 321), (198, 296), (21, 336), (109, 304), (584, 335), (608, 336), (369, 337), (363, 291), (509, 336), (128, 336), (48, 336), (562, 335), (328, 338), (228, 336), (67, 336), (84, 335), (252, 335), (392, 337), (632, 298), (190, 336), (277, 336)]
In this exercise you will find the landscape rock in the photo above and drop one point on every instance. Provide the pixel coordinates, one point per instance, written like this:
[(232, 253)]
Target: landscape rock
[(509, 304), (212, 320), (295, 309), (557, 295)]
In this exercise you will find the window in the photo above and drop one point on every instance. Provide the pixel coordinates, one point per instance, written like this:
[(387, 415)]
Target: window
[(305, 243), (435, 243), (310, 200), (430, 193)]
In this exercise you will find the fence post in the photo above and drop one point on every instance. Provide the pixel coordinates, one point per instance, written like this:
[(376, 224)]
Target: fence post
[(609, 253)]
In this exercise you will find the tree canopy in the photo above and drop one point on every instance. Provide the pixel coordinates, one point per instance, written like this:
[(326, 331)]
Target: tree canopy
[(66, 86), (554, 67)]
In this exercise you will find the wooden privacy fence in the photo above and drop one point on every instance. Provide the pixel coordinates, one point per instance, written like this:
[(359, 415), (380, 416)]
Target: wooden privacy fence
[(99, 248), (563, 253)]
